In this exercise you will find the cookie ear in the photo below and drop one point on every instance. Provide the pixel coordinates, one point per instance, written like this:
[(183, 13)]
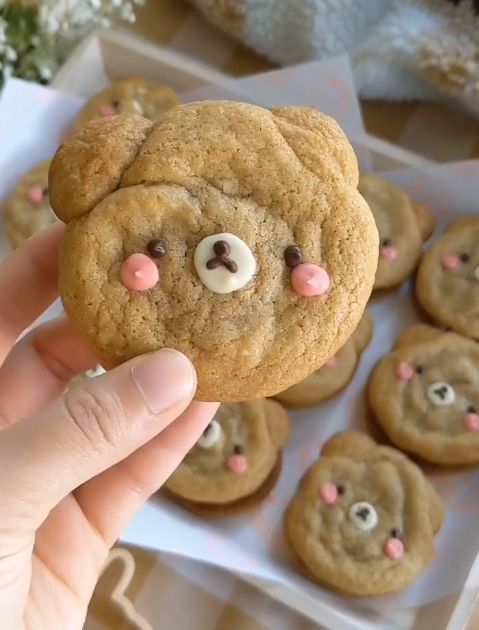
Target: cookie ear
[(463, 224), (317, 140), (425, 220), (347, 444), (278, 423), (418, 333), (89, 165), (363, 333)]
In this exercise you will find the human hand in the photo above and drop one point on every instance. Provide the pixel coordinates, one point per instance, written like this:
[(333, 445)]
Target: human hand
[(74, 467)]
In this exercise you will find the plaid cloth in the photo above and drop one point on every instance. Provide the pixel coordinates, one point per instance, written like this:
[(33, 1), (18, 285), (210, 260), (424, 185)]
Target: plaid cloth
[(140, 590)]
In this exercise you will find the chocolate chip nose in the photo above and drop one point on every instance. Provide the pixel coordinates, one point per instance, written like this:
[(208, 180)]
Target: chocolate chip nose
[(363, 513), (222, 250), (441, 392)]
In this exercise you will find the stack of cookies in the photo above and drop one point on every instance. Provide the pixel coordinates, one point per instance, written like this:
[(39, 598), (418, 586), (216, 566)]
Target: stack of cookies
[(246, 239)]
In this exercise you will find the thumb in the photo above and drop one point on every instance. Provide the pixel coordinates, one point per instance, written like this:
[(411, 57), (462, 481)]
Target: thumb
[(89, 429)]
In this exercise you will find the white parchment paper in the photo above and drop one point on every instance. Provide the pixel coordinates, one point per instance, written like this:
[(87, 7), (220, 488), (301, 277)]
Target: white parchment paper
[(32, 121)]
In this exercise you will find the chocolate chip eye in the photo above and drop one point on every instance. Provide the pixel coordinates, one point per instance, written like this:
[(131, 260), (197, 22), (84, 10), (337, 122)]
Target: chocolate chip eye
[(156, 248), (293, 256), (419, 369), (386, 242), (464, 257), (116, 104), (45, 191), (395, 533), (341, 489), (238, 449), (471, 409)]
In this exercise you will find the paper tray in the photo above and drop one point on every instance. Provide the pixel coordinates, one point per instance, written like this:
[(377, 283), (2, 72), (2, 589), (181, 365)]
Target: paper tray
[(111, 55)]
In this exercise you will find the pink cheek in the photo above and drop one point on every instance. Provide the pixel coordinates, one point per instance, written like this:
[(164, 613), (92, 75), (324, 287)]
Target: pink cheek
[(389, 253), (404, 371), (35, 194), (139, 273), (106, 110), (309, 280), (237, 464), (332, 362), (328, 493), (394, 548), (471, 422), (450, 262)]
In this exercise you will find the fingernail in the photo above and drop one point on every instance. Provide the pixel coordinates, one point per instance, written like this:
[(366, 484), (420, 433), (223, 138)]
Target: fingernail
[(164, 378)]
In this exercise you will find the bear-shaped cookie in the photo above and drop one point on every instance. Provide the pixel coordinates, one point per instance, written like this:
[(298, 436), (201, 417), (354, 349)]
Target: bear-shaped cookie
[(364, 517), (335, 374), (425, 395), (403, 226), (27, 209), (236, 461), (232, 233), (133, 95), (447, 285)]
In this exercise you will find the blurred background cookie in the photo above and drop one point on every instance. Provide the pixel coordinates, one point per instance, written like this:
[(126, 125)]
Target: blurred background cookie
[(364, 517), (447, 285), (237, 458), (335, 374), (129, 96), (403, 226), (27, 210), (425, 395)]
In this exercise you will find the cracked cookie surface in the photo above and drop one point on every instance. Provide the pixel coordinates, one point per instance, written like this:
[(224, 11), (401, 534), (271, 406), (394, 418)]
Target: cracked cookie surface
[(229, 232), (364, 517)]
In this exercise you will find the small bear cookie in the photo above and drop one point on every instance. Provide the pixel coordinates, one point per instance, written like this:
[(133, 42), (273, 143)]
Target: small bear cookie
[(27, 210), (447, 285), (403, 227), (335, 374), (425, 395), (364, 517), (227, 231), (236, 461), (128, 96)]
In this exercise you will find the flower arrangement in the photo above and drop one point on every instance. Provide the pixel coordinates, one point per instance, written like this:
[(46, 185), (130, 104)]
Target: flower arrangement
[(36, 36)]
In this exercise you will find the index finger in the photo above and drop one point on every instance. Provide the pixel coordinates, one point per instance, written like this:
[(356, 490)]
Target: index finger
[(28, 284)]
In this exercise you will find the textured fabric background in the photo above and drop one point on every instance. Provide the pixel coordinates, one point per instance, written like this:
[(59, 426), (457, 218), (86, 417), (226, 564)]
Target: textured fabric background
[(178, 594)]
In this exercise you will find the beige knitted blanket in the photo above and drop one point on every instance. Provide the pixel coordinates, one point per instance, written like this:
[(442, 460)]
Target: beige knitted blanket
[(400, 49)]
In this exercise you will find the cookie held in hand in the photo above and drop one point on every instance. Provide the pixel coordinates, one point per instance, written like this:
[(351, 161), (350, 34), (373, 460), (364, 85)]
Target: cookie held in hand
[(403, 227), (335, 374), (235, 462), (227, 231), (364, 517), (447, 285), (27, 210), (425, 395)]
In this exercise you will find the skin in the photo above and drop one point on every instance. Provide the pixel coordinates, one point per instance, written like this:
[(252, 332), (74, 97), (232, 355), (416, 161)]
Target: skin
[(75, 467)]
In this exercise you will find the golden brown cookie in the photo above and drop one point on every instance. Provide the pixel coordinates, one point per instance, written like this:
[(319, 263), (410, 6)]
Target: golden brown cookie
[(238, 454), (403, 227), (364, 517), (425, 395), (230, 232), (447, 285), (129, 96), (27, 210), (335, 374)]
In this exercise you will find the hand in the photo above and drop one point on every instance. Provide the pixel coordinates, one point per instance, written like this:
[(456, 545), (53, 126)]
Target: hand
[(74, 467)]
